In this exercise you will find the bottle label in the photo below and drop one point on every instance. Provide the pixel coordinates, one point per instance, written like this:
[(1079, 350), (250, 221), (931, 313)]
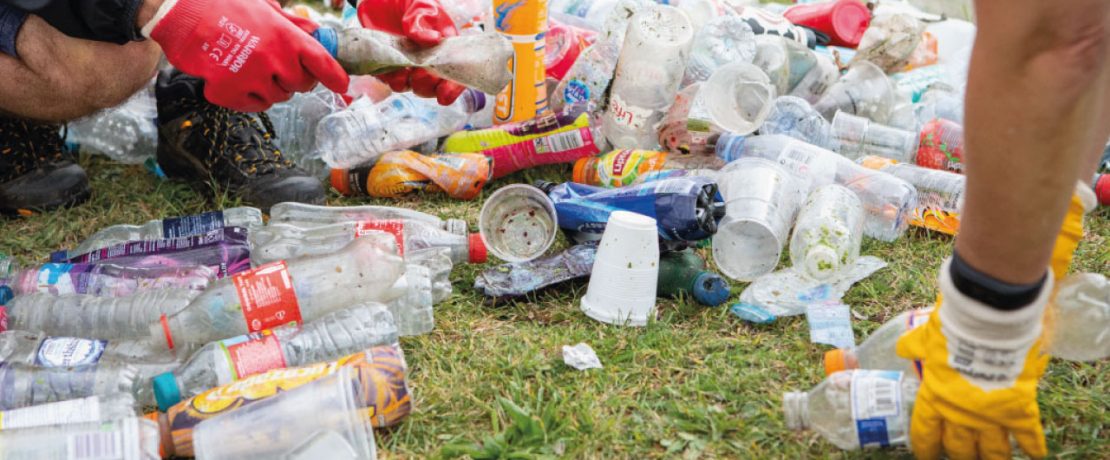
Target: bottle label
[(267, 297), (942, 146), (116, 442), (251, 354), (624, 167), (176, 227), (876, 408), (622, 113), (58, 413), (545, 142), (392, 227), (69, 352)]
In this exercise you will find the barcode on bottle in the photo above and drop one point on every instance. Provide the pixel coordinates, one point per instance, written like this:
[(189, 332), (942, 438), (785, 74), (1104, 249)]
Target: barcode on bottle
[(885, 403), (561, 142), (96, 446)]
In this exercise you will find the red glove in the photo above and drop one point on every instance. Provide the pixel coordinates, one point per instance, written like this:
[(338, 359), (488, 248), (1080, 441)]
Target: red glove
[(249, 52), (426, 23)]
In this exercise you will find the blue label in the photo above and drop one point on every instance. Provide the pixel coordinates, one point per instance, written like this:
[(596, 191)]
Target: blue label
[(59, 256), (176, 227), (6, 294), (752, 313), (69, 352), (872, 431), (576, 91)]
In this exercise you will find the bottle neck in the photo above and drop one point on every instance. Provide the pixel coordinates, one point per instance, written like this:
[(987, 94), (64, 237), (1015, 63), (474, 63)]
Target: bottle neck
[(795, 406)]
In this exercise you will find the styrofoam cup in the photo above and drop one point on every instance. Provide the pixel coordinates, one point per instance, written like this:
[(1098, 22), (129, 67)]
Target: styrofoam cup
[(761, 202), (518, 223), (625, 272)]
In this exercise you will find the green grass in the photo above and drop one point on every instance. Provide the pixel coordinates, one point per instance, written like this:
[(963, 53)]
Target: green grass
[(696, 383)]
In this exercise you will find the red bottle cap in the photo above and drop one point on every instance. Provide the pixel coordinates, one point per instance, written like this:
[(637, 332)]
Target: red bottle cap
[(340, 181), (478, 252), (844, 21), (3, 319), (1102, 189)]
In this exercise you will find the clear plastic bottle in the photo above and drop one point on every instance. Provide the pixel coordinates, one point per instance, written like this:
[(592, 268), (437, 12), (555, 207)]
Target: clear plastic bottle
[(334, 335), (25, 385), (723, 40), (793, 116), (413, 308), (936, 189), (887, 200), (295, 123), (91, 409), (131, 438), (283, 292), (126, 134), (365, 130), (108, 318), (36, 348), (858, 137), (284, 242), (856, 409), (170, 227), (107, 280), (1082, 318), (828, 232), (310, 215), (877, 352), (649, 72)]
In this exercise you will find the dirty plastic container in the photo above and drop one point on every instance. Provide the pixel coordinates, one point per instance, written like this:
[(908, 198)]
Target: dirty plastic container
[(319, 420), (761, 201), (828, 233), (518, 223), (723, 40), (865, 90), (737, 97), (625, 274)]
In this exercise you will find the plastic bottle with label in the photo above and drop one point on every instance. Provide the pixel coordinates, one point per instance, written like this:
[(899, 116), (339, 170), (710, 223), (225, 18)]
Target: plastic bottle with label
[(310, 215), (39, 349), (131, 438), (940, 194), (284, 242), (942, 146), (827, 233), (225, 250), (618, 168), (84, 410), (856, 409), (402, 172), (877, 351), (275, 294), (366, 130), (106, 280), (170, 227), (108, 318), (26, 385), (332, 336)]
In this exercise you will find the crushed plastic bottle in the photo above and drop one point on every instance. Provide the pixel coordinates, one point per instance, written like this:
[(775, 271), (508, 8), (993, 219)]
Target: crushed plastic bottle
[(131, 438), (519, 279), (285, 242), (284, 292), (890, 41), (225, 250), (27, 385), (412, 308), (109, 318), (395, 174), (828, 232), (295, 124), (126, 133), (856, 409), (170, 227), (332, 336), (723, 40), (91, 409), (365, 131), (310, 215), (618, 168), (106, 280)]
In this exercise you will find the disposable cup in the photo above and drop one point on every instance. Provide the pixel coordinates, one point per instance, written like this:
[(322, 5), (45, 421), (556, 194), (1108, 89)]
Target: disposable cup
[(773, 57), (857, 137), (761, 200), (865, 90), (518, 223), (738, 97), (318, 420), (625, 272)]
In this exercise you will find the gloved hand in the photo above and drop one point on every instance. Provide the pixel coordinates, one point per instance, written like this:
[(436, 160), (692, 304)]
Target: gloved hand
[(250, 54), (979, 384), (426, 23)]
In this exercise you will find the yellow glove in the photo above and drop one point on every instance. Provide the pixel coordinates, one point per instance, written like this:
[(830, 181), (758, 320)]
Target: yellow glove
[(979, 384), (1082, 202)]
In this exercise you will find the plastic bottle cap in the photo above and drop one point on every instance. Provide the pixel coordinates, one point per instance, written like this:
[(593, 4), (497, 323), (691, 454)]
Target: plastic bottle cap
[(821, 261), (1102, 189), (710, 289), (329, 38), (834, 361), (340, 181), (478, 252), (3, 319), (166, 392)]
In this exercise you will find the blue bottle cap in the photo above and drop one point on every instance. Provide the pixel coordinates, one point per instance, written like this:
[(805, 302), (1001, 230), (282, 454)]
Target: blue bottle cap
[(6, 294), (329, 38), (710, 289), (166, 392)]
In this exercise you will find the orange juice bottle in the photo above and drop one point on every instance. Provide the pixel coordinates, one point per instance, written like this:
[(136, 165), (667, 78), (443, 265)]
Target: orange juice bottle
[(618, 168), (460, 176), (524, 23)]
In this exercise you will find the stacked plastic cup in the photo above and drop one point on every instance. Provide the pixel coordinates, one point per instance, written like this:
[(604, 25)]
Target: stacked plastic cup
[(518, 223), (625, 273), (737, 97), (857, 137), (864, 90), (321, 419), (761, 201)]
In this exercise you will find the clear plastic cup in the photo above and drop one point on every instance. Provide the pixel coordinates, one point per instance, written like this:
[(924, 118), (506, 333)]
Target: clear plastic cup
[(828, 233), (865, 91), (738, 97), (773, 57), (625, 272), (318, 420), (815, 83), (761, 201), (857, 137), (518, 223)]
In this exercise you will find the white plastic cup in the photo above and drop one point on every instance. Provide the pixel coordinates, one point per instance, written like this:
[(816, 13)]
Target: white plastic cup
[(761, 201), (321, 419), (865, 90), (857, 137), (518, 223), (738, 97), (625, 272)]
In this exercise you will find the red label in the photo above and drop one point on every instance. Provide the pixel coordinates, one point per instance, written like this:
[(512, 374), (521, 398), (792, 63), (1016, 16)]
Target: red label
[(620, 161), (267, 297), (255, 356), (393, 227)]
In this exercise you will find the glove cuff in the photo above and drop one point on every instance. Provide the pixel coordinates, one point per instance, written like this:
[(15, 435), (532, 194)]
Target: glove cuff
[(982, 323), (183, 15), (1086, 196)]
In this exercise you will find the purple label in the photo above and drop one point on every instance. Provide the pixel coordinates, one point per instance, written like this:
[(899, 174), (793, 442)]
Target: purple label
[(226, 250), (176, 227)]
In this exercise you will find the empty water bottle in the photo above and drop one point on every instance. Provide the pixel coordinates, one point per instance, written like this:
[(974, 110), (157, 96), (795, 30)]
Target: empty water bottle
[(107, 280), (295, 123), (36, 348), (412, 309), (23, 385), (224, 250), (856, 409), (108, 318), (283, 241), (284, 292), (940, 193), (794, 117), (308, 215), (91, 409), (828, 232), (127, 438), (170, 227), (877, 352), (858, 137), (332, 336), (126, 134), (723, 40), (365, 130)]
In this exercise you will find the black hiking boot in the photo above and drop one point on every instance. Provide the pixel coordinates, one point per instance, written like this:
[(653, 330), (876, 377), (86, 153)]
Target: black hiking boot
[(36, 173), (201, 143)]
